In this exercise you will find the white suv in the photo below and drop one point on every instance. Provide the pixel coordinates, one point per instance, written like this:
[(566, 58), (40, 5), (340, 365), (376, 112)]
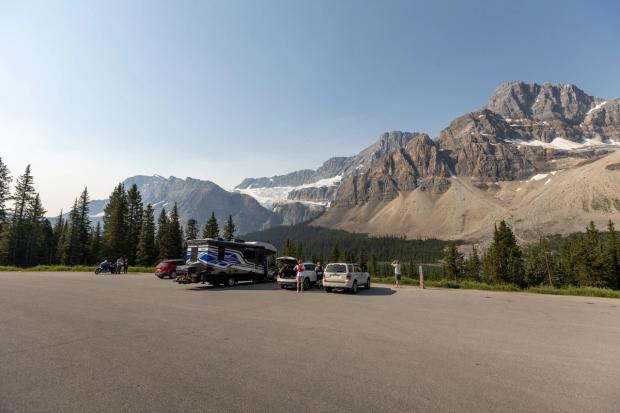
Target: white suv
[(345, 276), (287, 275)]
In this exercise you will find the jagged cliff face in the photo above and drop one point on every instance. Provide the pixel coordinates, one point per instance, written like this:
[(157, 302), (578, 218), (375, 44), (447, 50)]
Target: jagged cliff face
[(523, 132)]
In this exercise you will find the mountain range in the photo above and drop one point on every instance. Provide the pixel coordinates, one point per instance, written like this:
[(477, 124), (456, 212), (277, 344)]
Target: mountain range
[(543, 157)]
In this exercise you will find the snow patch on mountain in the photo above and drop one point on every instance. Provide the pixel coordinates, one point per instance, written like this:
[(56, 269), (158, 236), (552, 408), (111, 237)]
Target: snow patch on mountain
[(562, 143), (269, 197)]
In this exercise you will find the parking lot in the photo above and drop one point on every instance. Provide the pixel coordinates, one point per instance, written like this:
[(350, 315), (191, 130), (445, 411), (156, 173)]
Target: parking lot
[(80, 342)]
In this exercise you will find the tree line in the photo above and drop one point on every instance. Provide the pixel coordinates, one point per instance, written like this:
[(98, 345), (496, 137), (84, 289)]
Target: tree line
[(129, 230), (588, 259)]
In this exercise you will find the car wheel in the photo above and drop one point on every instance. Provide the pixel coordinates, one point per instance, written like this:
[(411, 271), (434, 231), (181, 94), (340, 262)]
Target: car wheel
[(159, 276), (328, 289), (368, 284), (231, 281), (306, 283), (173, 275), (283, 286), (354, 288)]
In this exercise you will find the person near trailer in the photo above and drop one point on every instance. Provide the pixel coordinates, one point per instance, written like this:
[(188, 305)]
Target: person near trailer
[(397, 276), (299, 268), (319, 274), (125, 265), (119, 265)]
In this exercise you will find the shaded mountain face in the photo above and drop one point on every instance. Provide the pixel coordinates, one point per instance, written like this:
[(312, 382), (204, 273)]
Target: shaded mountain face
[(197, 199)]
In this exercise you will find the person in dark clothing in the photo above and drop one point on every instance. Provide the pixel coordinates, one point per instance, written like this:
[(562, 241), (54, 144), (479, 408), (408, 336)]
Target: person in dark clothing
[(319, 275), (125, 265)]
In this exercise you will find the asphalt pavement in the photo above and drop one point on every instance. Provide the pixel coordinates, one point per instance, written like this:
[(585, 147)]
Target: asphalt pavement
[(80, 342)]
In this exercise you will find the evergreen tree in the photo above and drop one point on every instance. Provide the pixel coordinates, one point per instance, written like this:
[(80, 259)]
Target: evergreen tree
[(115, 218), (191, 229), (76, 248), (335, 254), (71, 244), (453, 262), (61, 234), (211, 229), (612, 257), (361, 259), (373, 265), (506, 257), (35, 234), (300, 252), (5, 192), (229, 229), (14, 248), (473, 265), (95, 254), (175, 234), (162, 235), (147, 250), (56, 231), (134, 221)]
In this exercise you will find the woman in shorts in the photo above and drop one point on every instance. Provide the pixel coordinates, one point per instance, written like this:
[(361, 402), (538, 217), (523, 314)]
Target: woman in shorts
[(300, 278)]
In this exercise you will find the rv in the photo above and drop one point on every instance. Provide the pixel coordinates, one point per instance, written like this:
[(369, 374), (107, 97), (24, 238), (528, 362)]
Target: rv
[(220, 262)]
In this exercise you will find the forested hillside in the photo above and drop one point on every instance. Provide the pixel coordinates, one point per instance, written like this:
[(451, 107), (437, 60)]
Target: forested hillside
[(321, 242)]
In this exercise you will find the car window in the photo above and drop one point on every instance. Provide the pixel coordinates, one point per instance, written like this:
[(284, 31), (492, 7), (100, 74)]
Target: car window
[(350, 268), (336, 268), (357, 268), (309, 267)]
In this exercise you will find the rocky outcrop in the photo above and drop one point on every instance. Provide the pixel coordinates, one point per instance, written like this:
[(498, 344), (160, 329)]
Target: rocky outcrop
[(294, 213), (417, 163), (323, 194)]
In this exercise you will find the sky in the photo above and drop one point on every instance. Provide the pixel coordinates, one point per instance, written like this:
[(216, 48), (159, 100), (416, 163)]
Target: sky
[(92, 92)]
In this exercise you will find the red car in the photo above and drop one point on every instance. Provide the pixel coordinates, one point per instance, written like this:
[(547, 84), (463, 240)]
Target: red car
[(168, 268)]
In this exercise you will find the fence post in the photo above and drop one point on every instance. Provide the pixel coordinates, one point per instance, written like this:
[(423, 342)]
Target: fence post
[(421, 277)]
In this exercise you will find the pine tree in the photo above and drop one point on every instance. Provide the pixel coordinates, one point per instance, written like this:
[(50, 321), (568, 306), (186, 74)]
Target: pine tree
[(134, 221), (211, 229), (373, 265), (83, 227), (71, 247), (612, 257), (14, 248), (506, 257), (35, 235), (95, 256), (300, 252), (162, 234), (361, 259), (453, 262), (191, 229), (115, 218), (472, 265), (229, 229), (335, 254), (5, 192), (175, 234), (61, 233), (147, 250)]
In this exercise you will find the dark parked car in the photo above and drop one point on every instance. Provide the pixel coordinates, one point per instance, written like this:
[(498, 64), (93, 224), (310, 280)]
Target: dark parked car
[(168, 268)]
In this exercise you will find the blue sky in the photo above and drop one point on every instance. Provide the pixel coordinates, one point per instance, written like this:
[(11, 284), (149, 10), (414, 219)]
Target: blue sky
[(93, 92)]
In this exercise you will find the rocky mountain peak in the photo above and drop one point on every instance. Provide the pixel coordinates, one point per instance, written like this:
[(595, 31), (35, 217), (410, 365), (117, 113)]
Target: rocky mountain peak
[(520, 100)]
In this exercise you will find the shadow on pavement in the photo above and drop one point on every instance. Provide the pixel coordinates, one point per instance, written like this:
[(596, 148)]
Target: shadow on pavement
[(374, 291)]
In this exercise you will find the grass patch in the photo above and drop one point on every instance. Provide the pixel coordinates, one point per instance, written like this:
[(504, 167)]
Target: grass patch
[(474, 285), (75, 268)]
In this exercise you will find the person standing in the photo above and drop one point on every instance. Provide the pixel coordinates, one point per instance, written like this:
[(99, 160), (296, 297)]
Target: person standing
[(319, 275), (300, 277), (397, 276), (119, 265), (125, 264)]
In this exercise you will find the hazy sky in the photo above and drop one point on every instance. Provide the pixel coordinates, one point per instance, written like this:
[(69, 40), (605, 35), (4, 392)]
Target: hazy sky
[(94, 92)]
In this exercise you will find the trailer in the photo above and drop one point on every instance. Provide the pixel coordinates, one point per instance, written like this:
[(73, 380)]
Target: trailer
[(221, 262)]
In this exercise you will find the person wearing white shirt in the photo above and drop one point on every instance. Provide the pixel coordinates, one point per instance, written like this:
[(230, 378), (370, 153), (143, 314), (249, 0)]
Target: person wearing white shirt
[(396, 265)]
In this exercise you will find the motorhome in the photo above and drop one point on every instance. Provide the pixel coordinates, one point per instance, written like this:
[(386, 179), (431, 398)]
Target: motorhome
[(221, 262)]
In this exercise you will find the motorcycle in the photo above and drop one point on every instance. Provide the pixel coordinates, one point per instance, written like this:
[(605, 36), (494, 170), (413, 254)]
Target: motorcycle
[(111, 269)]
